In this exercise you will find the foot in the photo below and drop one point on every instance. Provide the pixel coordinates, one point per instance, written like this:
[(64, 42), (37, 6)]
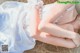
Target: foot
[(76, 40)]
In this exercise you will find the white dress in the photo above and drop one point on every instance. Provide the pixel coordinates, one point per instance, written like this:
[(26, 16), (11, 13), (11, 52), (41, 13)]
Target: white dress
[(11, 27)]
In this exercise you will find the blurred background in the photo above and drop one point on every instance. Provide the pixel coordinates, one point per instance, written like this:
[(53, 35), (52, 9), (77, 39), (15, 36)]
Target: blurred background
[(46, 48)]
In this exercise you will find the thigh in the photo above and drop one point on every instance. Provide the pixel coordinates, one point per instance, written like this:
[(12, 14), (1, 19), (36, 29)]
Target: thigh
[(47, 38)]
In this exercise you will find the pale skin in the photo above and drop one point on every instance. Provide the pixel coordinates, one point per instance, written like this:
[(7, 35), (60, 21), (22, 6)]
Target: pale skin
[(48, 27), (48, 32)]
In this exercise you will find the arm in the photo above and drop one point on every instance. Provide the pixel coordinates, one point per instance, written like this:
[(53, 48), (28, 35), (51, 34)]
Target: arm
[(34, 20), (50, 16)]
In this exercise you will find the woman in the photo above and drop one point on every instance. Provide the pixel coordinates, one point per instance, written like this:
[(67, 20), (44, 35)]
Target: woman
[(51, 30), (19, 24)]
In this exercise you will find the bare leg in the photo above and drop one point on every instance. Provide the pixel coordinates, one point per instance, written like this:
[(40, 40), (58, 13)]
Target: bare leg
[(74, 26), (46, 38), (70, 27)]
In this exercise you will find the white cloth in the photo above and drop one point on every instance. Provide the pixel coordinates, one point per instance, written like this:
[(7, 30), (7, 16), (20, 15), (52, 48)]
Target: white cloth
[(11, 27)]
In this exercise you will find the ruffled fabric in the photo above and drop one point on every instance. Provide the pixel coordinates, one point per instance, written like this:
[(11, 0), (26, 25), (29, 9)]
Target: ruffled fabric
[(12, 32)]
